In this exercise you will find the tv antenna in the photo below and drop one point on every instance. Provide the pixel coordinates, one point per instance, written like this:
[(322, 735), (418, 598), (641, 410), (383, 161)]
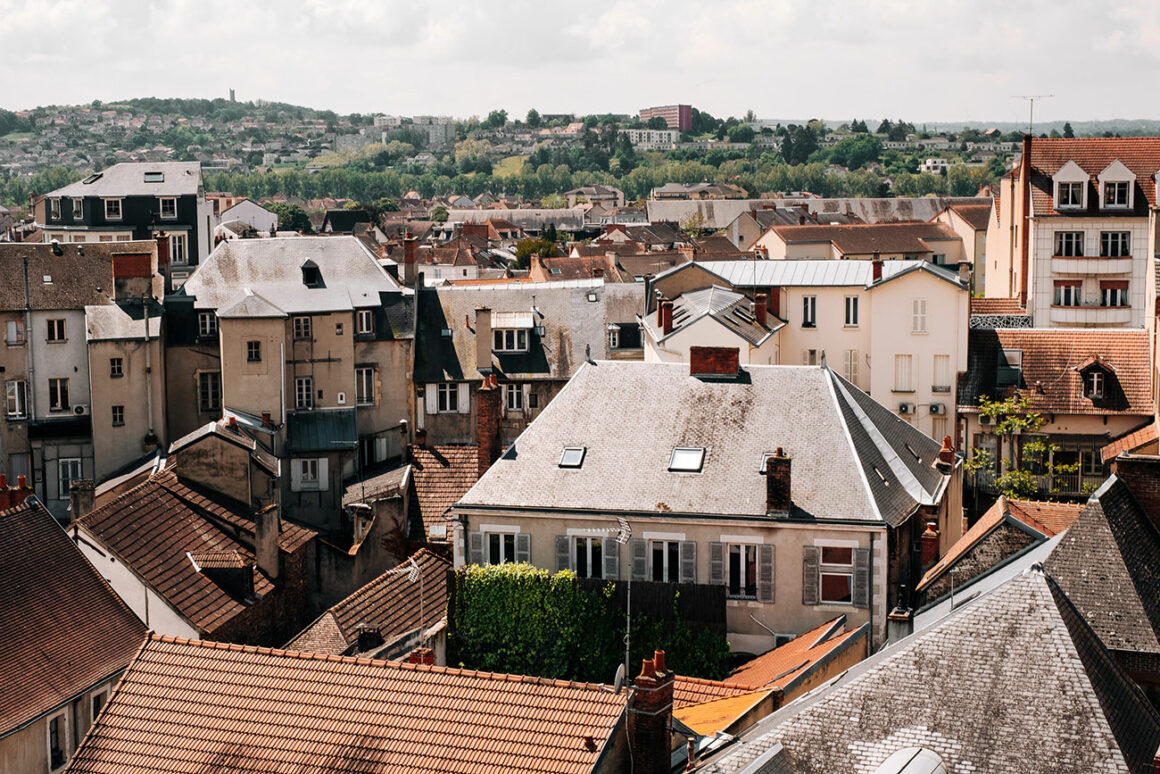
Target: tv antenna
[(1031, 107)]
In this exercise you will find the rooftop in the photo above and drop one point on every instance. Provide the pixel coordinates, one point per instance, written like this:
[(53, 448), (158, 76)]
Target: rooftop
[(814, 273), (442, 474), (866, 238), (81, 276), (146, 178), (1141, 155), (727, 307), (786, 666)]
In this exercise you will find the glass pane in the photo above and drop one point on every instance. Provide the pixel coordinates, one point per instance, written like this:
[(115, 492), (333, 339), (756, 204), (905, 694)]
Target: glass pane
[(493, 554), (509, 548), (734, 571), (658, 561), (837, 588), (573, 457), (751, 571), (837, 555), (581, 562), (674, 561), (597, 568), (687, 459)]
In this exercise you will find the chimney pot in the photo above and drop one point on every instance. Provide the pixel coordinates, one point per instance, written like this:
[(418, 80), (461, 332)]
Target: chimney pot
[(648, 668), (946, 455), (21, 482), (929, 540), (659, 660), (666, 317)]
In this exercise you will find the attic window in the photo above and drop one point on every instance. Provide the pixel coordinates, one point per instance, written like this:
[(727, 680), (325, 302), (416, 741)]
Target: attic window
[(1093, 384), (47, 279), (592, 297), (311, 276), (92, 178), (573, 456), (154, 177), (913, 453), (554, 270), (1009, 371), (687, 459)]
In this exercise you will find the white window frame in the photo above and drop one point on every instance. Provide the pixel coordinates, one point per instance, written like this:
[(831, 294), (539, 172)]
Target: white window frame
[(207, 324), (509, 340), (614, 339), (364, 386), (303, 392), (56, 330), (835, 569), (918, 316), (178, 252), (58, 400), (308, 473), (67, 465), (161, 207), (448, 397), (851, 312), (513, 397), (1068, 244), (1106, 189), (904, 373), (14, 333), (1069, 200), (1115, 244), (669, 573), (113, 209), (78, 208), (505, 542), (54, 208), (749, 558), (1094, 385), (209, 391), (809, 311), (16, 399), (584, 544), (364, 321), (303, 328)]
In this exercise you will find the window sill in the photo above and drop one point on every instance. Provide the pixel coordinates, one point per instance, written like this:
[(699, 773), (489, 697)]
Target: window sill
[(254, 362), (116, 376), (808, 327), (118, 424), (56, 341), (59, 410), (939, 389), (920, 333), (364, 404), (903, 392), (15, 343), (17, 418)]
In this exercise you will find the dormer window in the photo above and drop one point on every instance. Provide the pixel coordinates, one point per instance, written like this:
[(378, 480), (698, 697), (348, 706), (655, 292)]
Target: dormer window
[(510, 340), (311, 275), (1009, 370), (1071, 186), (1095, 373), (1070, 195), (1115, 194), (1116, 184), (1093, 385)]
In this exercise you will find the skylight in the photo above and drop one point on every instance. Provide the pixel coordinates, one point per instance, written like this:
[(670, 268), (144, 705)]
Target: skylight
[(154, 177), (573, 456), (92, 178), (687, 459)]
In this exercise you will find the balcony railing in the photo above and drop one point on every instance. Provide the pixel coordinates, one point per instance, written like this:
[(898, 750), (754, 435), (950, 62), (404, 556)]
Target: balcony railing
[(1061, 484)]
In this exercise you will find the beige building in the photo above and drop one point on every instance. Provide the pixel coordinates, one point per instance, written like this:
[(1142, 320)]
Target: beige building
[(971, 221), (933, 242)]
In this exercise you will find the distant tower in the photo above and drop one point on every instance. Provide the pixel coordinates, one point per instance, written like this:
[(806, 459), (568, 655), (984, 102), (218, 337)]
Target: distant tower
[(232, 96)]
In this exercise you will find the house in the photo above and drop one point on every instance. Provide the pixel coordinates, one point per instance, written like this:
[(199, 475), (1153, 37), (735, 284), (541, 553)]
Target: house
[(1074, 231), (596, 194), (971, 222), (343, 221), (603, 266), (934, 242), (440, 475), (255, 215), (722, 482), (137, 201), (202, 706), (698, 191), (747, 227), (54, 686), (714, 316), (1090, 386)]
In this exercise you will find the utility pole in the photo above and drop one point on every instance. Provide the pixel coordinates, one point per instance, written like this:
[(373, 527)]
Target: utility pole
[(1031, 108)]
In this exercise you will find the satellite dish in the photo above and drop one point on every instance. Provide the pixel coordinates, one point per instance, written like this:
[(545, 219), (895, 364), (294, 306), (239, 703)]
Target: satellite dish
[(618, 681)]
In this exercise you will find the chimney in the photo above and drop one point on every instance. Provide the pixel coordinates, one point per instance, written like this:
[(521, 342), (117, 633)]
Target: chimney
[(598, 272), (777, 482), (488, 416), (267, 529), (421, 437), (775, 302), (929, 539), (1141, 474), (650, 717), (666, 317), (876, 267), (691, 754), (1024, 238), (483, 338), (266, 421), (760, 308), (899, 623), (535, 264), (946, 456), (409, 262), (81, 496), (424, 656), (714, 361), (21, 492), (369, 637), (965, 272), (162, 250)]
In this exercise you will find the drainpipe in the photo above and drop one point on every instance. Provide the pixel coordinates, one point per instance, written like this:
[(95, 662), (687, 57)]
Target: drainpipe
[(30, 390), (148, 362)]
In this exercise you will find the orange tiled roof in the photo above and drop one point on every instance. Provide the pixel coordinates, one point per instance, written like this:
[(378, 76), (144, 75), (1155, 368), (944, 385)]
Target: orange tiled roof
[(998, 306), (710, 717), (1130, 442), (780, 667), (1047, 517), (186, 707), (1139, 154), (977, 216), (695, 690), (441, 475)]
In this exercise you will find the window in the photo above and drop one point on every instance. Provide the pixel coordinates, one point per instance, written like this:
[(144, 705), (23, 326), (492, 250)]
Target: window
[(1069, 243), (1070, 195), (1115, 244), (809, 311), (56, 732), (1115, 194), (16, 399), (1067, 293), (168, 207), (364, 386), (448, 398), (837, 575), (118, 416), (588, 557), (308, 475), (809, 357), (850, 365), (614, 339), (302, 328), (177, 249), (253, 351), (1093, 385), (741, 579), (78, 209), (942, 374), (14, 336), (99, 703), (56, 330), (902, 373), (68, 469), (687, 459), (513, 397), (573, 456), (510, 340), (207, 325), (304, 392), (1009, 368), (338, 329), (116, 367), (54, 209), (58, 395), (209, 391), (851, 311), (501, 547), (1113, 293), (364, 321), (112, 209), (154, 177), (918, 316), (665, 560)]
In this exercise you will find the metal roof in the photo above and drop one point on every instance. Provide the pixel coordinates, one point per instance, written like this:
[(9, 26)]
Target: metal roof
[(321, 430)]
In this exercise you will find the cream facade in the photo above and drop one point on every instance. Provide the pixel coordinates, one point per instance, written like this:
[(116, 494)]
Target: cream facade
[(45, 745)]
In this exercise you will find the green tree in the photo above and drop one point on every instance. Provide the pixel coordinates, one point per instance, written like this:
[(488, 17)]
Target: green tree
[(439, 214), (539, 245), (859, 127), (291, 217), (656, 122), (741, 133), (1012, 417), (495, 120), (533, 118), (1068, 132)]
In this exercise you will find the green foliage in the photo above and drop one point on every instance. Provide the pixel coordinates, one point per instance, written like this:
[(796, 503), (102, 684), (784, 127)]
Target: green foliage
[(656, 122), (1068, 132), (533, 118), (1011, 418), (518, 619), (495, 120), (741, 133), (439, 214), (540, 245), (291, 217)]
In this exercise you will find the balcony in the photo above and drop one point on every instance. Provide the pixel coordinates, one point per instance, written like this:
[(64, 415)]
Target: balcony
[(1091, 315), (1082, 265), (1079, 484)]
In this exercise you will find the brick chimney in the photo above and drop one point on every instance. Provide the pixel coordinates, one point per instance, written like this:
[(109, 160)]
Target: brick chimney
[(714, 361), (488, 415), (665, 310), (1141, 474), (369, 637), (929, 539), (946, 456), (81, 498), (778, 497), (162, 250), (421, 437), (775, 302), (876, 267), (761, 308), (421, 656), (21, 492), (650, 717), (267, 531), (410, 245), (483, 337)]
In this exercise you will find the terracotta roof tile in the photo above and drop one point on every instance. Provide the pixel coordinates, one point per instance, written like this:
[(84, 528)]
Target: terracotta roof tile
[(978, 216), (998, 306), (63, 629), (710, 717), (442, 475), (1139, 154), (187, 707), (780, 667), (1050, 518), (1130, 442), (688, 691)]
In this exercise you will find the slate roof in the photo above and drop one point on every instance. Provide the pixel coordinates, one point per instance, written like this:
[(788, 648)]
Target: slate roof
[(152, 527), (719, 213), (815, 273), (583, 267), (77, 278), (384, 485), (128, 179), (727, 307), (1050, 359), (62, 629), (1141, 155), (187, 707), (441, 474), (390, 603), (799, 658), (865, 238), (122, 320), (1005, 683), (630, 416)]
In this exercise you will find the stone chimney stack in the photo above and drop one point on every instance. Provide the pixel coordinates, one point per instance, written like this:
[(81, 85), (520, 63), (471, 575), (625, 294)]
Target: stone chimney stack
[(929, 540), (267, 531), (777, 482), (714, 361), (650, 717), (81, 497), (483, 337), (410, 259), (488, 415)]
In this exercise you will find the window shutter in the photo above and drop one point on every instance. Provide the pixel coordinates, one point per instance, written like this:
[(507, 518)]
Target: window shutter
[(639, 559), (523, 547), (717, 563), (563, 555), (526, 389), (475, 547), (611, 551), (380, 449), (295, 475), (765, 573), (811, 566), (862, 577), (432, 399), (688, 561), (323, 478), (464, 397)]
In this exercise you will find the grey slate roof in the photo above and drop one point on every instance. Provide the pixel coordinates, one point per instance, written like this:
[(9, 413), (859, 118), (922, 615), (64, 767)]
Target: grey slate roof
[(815, 272), (719, 213), (630, 416), (124, 320), (128, 179), (82, 275), (272, 269), (1013, 682), (567, 219), (727, 307)]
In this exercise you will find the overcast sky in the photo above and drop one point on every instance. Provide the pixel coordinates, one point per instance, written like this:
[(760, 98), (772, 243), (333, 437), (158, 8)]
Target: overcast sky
[(926, 60)]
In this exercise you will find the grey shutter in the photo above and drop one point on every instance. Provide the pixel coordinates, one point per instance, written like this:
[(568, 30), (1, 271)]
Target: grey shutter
[(717, 564), (811, 566), (475, 547), (639, 559), (764, 573), (523, 547), (563, 555), (611, 550), (862, 577), (688, 561), (431, 398)]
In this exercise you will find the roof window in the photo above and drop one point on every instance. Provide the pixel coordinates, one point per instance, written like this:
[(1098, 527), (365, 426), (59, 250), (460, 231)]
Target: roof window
[(311, 275), (154, 177), (687, 459), (92, 178), (573, 456)]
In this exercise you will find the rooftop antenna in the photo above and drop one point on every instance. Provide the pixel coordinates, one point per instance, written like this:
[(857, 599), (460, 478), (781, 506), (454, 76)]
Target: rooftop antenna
[(1031, 107)]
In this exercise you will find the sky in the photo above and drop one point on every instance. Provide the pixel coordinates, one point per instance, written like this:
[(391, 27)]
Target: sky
[(936, 60)]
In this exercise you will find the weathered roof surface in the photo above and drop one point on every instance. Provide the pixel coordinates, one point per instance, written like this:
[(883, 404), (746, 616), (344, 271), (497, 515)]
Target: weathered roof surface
[(977, 216), (815, 273), (153, 526), (1131, 442), (1005, 683), (630, 416), (75, 279), (128, 179), (1109, 565), (442, 475), (187, 707), (582, 267), (719, 213), (567, 219), (63, 629), (391, 603), (1000, 306), (1050, 360), (231, 434), (272, 270), (321, 430), (783, 667), (727, 307), (709, 717), (122, 320), (383, 485), (1141, 155), (865, 238)]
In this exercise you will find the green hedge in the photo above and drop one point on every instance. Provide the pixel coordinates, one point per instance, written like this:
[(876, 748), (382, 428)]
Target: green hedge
[(519, 619)]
